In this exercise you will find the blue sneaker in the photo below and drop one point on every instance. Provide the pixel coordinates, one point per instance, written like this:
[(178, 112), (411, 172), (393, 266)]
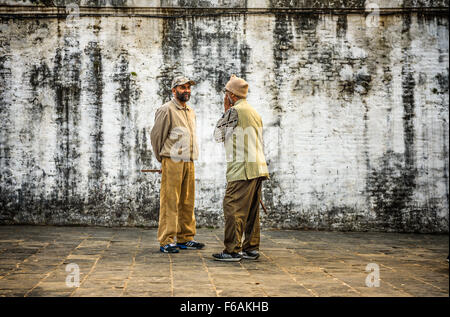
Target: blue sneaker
[(191, 245), (169, 248)]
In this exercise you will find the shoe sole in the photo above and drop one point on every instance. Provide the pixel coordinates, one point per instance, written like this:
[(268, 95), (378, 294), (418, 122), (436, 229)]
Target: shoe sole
[(227, 260), (251, 258), (164, 251)]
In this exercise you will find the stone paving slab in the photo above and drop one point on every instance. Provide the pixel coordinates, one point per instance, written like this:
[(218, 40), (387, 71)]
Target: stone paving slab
[(113, 262)]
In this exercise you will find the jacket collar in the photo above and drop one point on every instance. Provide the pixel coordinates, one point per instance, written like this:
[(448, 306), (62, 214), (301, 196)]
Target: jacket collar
[(239, 101), (179, 106)]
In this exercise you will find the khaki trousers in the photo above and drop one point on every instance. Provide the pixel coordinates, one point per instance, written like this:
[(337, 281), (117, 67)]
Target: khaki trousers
[(176, 208), (241, 212)]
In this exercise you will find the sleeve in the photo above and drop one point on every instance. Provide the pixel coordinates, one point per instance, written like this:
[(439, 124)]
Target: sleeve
[(160, 131), (225, 125)]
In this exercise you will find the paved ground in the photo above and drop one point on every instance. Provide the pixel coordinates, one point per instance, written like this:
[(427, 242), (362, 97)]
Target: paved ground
[(126, 262)]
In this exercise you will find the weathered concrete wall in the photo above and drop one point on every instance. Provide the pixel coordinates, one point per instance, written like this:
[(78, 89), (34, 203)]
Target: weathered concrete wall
[(356, 117)]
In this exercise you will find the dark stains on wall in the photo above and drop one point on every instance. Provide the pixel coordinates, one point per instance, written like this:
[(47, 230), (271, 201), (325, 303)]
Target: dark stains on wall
[(445, 155), (277, 210), (408, 85), (123, 97), (365, 150), (343, 218), (358, 84), (67, 86), (442, 80), (230, 50), (94, 92), (171, 52), (317, 4), (391, 185), (33, 184), (245, 52), (185, 3), (100, 3), (204, 3), (409, 170), (390, 190), (126, 95), (145, 155), (363, 82), (147, 183), (34, 200), (282, 39), (360, 81), (341, 26), (424, 3), (49, 3), (383, 185), (26, 202), (92, 3), (7, 197), (40, 76)]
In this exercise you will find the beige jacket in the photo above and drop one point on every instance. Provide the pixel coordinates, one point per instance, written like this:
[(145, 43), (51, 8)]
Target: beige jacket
[(173, 134), (241, 130)]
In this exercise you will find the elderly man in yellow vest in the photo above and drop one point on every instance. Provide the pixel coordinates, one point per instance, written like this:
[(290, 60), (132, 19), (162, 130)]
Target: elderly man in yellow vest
[(174, 144), (240, 128)]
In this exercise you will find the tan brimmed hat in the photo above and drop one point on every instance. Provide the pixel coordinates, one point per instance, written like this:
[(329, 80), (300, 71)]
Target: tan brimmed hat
[(237, 86), (181, 80)]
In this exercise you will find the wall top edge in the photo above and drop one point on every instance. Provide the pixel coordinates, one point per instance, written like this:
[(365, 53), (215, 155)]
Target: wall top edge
[(232, 4), (169, 12)]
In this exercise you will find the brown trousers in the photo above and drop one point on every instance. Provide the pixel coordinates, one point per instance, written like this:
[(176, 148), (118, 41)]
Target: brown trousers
[(241, 212), (177, 195)]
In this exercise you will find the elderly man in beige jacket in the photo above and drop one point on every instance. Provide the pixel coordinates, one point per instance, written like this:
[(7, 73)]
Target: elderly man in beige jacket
[(174, 144), (240, 128)]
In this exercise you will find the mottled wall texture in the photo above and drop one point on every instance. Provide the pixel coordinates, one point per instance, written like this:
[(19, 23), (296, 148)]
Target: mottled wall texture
[(355, 108)]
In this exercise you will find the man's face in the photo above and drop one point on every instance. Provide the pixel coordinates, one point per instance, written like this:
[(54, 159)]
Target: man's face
[(229, 96), (183, 92)]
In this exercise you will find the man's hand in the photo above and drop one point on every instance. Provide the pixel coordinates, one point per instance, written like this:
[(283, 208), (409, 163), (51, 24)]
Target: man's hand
[(226, 103)]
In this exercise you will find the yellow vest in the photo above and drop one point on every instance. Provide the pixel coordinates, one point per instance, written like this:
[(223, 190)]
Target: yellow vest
[(244, 149)]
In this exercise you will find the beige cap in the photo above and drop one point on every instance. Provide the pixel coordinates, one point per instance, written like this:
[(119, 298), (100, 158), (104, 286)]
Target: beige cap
[(237, 86), (181, 80)]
